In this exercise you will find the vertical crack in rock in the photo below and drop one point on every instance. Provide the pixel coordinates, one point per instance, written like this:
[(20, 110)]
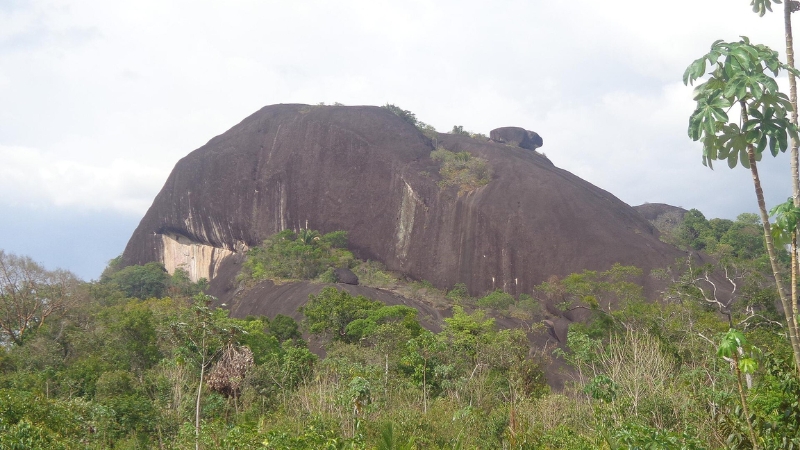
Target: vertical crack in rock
[(408, 208), (282, 207)]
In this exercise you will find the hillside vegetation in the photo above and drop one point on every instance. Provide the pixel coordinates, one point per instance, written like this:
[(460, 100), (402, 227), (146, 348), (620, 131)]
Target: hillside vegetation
[(304, 255), (461, 169), (139, 359)]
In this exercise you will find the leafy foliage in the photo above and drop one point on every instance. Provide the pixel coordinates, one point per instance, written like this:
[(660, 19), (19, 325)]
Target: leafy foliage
[(787, 216), (460, 131), (461, 169), (496, 300), (120, 372), (289, 255), (148, 281), (29, 294), (410, 117), (347, 318), (596, 291), (739, 75), (761, 7), (742, 238)]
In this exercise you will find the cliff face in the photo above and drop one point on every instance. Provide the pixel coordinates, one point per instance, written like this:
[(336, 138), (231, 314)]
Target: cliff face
[(365, 170)]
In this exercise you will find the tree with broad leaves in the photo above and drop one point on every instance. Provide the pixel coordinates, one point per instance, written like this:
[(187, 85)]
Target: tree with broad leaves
[(732, 349), (740, 75)]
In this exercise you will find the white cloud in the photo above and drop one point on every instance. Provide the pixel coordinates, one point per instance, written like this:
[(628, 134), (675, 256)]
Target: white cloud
[(30, 177), (100, 99)]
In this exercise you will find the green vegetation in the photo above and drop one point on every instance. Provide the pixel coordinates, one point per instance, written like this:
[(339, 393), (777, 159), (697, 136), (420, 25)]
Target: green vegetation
[(297, 256), (411, 118), (349, 319), (742, 74), (740, 238), (151, 280), (496, 300), (111, 370), (459, 130), (461, 169)]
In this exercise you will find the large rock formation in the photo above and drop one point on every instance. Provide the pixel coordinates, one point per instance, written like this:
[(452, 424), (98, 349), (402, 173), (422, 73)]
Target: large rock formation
[(517, 136), (367, 171), (654, 212)]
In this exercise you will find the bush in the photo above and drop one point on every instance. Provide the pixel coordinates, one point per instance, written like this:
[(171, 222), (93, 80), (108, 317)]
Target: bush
[(459, 293), (374, 274), (148, 281), (329, 276), (411, 118), (496, 300), (461, 169), (304, 255)]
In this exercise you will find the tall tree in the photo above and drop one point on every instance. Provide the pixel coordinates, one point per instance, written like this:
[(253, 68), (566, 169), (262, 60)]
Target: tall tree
[(790, 6), (29, 294), (200, 337), (739, 77)]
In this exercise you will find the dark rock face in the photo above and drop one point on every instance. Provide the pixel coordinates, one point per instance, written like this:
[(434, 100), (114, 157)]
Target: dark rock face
[(269, 299), (666, 218), (655, 211), (517, 136), (364, 170), (346, 276)]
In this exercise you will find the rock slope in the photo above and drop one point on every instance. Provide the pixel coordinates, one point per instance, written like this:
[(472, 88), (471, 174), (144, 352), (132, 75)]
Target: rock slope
[(365, 170)]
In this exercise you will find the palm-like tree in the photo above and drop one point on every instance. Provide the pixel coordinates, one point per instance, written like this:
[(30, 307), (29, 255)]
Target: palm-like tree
[(791, 305), (742, 74)]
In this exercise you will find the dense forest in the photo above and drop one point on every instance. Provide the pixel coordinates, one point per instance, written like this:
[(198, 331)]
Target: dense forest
[(142, 359)]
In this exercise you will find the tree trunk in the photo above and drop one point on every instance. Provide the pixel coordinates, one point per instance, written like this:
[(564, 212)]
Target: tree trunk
[(743, 399), (786, 302), (791, 316), (787, 25), (424, 387), (197, 405)]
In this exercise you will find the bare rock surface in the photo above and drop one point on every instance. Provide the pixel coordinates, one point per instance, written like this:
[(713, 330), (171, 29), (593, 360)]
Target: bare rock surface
[(270, 299), (346, 276), (364, 170), (655, 211)]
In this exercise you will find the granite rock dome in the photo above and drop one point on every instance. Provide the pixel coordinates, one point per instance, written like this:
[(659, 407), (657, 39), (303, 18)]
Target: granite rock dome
[(367, 171)]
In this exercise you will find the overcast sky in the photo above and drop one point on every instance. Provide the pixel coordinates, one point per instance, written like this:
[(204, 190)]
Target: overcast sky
[(99, 99)]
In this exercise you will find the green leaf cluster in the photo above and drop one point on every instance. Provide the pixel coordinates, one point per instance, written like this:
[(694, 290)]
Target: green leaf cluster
[(742, 238), (411, 118), (761, 7), (151, 280), (787, 216), (461, 169), (349, 318), (496, 299), (739, 73), (304, 255), (594, 290), (729, 347)]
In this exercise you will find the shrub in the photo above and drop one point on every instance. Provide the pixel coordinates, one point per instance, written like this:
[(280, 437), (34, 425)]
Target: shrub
[(304, 255), (408, 116), (461, 169), (496, 300), (458, 293)]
